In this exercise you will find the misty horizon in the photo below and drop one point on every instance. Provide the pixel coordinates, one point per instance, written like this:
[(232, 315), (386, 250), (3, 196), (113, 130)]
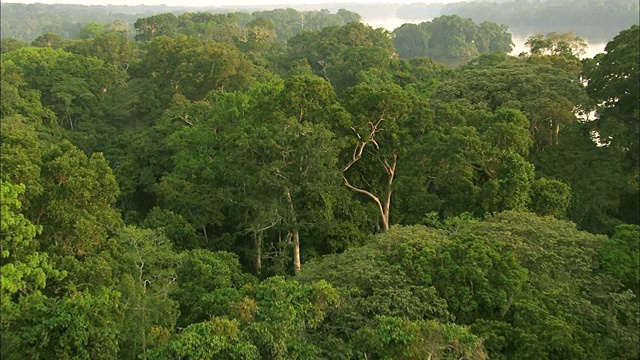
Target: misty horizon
[(226, 3)]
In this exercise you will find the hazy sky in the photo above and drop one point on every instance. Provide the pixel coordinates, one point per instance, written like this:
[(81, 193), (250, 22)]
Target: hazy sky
[(217, 2)]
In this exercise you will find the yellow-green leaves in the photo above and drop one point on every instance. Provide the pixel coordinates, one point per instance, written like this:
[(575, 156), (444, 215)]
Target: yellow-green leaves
[(23, 269)]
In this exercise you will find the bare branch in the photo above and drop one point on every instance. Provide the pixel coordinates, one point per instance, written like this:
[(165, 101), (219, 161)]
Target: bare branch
[(274, 223), (375, 128), (356, 132), (357, 154), (185, 118), (390, 169), (365, 192)]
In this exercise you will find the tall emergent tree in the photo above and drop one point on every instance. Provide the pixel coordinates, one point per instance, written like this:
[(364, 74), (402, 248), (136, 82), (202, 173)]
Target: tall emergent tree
[(613, 81), (376, 112)]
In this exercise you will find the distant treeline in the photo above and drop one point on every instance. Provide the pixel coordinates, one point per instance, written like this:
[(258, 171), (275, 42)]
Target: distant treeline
[(593, 19), (26, 22)]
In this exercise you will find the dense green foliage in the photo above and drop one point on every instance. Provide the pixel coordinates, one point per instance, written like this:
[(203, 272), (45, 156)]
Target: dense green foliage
[(271, 186), (27, 22), (529, 286), (451, 39)]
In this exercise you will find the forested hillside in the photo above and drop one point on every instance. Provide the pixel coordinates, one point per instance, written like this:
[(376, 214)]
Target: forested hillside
[(288, 185)]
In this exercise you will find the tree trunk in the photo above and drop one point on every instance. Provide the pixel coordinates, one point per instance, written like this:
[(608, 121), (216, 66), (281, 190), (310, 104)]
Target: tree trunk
[(383, 206), (258, 243), (296, 251), (295, 232), (204, 230), (385, 223), (391, 172), (385, 217)]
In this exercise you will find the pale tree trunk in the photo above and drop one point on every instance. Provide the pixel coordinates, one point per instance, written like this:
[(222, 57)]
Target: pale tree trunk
[(383, 207), (295, 233), (296, 251), (204, 230), (257, 240), (391, 172), (258, 243)]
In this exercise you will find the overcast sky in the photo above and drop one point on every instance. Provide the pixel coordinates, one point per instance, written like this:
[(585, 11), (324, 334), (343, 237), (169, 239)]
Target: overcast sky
[(217, 2)]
